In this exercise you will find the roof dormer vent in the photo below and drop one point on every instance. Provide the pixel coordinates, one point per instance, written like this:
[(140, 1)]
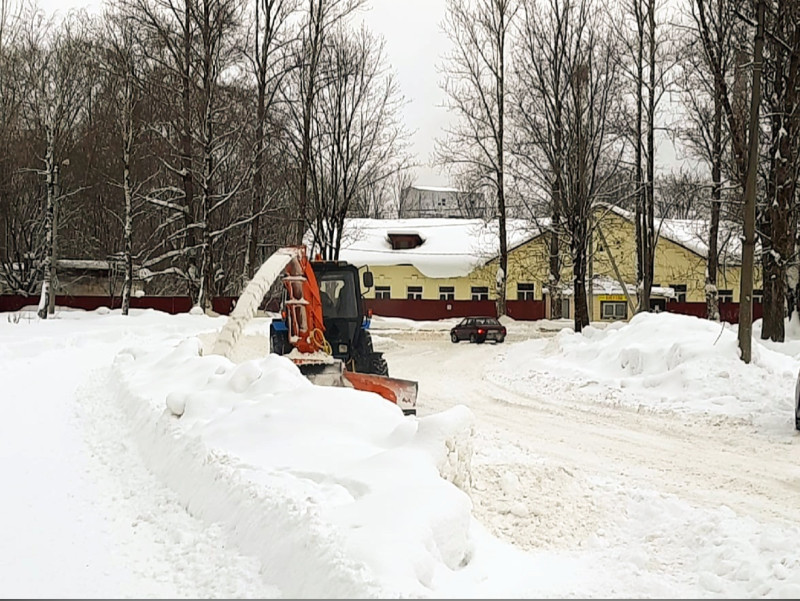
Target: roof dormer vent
[(405, 241)]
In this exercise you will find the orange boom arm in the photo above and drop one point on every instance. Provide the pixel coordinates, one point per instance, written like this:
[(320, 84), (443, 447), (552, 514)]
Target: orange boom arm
[(304, 305)]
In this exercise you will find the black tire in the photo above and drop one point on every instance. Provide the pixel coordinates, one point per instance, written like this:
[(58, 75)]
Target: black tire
[(377, 365), (279, 343), (366, 343), (367, 361), (454, 337), (473, 338)]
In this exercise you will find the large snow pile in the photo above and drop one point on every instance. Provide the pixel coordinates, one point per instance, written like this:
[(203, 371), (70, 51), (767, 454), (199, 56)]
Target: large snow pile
[(664, 361), (292, 469)]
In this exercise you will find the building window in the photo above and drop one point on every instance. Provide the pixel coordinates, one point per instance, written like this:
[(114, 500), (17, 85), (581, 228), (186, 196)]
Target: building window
[(613, 310), (480, 293), (758, 295), (680, 292), (383, 292), (525, 291), (443, 202), (447, 293), (725, 296), (565, 308), (415, 292)]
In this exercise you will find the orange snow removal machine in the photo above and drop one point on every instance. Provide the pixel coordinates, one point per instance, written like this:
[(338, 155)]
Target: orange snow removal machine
[(324, 328)]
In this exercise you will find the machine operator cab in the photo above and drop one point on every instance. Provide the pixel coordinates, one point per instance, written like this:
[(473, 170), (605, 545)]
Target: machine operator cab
[(337, 290)]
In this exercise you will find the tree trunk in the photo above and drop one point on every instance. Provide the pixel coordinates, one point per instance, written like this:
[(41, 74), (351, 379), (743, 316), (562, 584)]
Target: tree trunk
[(554, 280), (782, 185), (51, 302), (748, 244), (47, 267), (186, 159), (316, 25), (501, 193), (650, 235), (712, 261), (579, 287), (251, 239), (641, 228), (127, 187)]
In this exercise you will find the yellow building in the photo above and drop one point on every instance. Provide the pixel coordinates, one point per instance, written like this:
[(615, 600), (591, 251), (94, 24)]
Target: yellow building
[(457, 259), (679, 266), (429, 259)]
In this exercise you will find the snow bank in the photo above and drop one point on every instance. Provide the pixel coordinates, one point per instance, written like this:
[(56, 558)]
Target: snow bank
[(291, 470), (666, 361)]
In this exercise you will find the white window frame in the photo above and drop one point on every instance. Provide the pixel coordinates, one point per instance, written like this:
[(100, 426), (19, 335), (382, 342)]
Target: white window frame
[(383, 292), (613, 310), (414, 292), (725, 296), (680, 292), (479, 293), (447, 293), (526, 291)]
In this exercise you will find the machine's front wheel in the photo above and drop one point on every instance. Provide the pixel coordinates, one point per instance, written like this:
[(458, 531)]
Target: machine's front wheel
[(279, 343), (378, 365)]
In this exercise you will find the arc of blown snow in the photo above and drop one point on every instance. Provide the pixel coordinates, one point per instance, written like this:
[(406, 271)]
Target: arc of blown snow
[(248, 302)]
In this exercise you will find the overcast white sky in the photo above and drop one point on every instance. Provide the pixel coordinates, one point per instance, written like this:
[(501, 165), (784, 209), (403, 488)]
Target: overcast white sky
[(414, 47)]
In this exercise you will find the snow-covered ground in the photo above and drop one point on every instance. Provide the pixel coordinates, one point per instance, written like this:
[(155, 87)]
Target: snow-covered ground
[(633, 460)]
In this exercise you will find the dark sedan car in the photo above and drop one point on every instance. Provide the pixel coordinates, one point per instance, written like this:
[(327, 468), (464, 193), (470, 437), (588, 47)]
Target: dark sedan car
[(478, 329)]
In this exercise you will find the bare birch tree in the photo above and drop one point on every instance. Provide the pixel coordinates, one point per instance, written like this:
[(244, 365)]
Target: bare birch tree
[(745, 155), (539, 113), (778, 223), (269, 63), (54, 67), (320, 18), (475, 84), (123, 64), (360, 137), (568, 100), (647, 65), (706, 137)]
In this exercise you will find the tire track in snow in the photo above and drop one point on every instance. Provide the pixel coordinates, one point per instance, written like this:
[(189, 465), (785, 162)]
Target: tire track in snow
[(711, 462), (168, 552)]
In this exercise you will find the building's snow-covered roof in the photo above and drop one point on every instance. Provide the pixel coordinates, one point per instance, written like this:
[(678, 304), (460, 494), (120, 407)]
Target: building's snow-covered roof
[(87, 264), (602, 284), (454, 247), (450, 248), (608, 285), (692, 233)]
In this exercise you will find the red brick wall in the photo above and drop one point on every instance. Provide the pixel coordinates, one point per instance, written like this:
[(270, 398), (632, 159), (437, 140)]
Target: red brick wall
[(409, 309)]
